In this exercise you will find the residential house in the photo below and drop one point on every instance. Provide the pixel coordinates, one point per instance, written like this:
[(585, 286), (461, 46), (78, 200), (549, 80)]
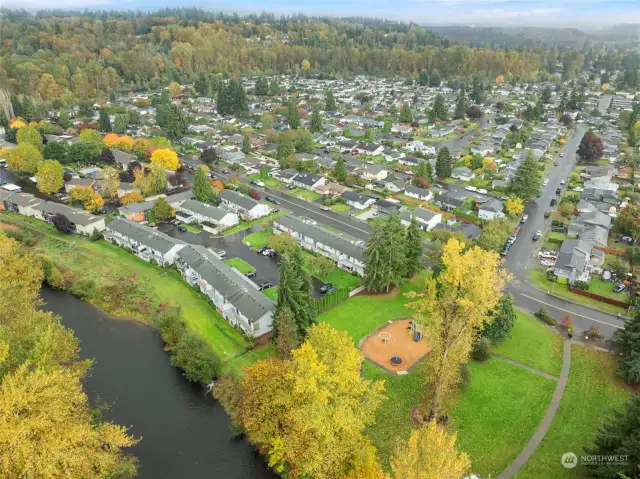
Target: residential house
[(427, 219), (348, 255), (123, 159), (470, 231), (576, 260), (137, 211), (247, 208), (235, 297), (331, 189), (79, 183), (391, 155), (448, 202), (373, 172), (395, 185), (82, 221), (356, 200), (286, 176), (421, 194), (144, 242), (176, 199), (401, 129), (491, 209), (125, 188), (211, 218), (463, 173), (22, 203), (409, 161), (386, 208), (308, 181), (369, 149)]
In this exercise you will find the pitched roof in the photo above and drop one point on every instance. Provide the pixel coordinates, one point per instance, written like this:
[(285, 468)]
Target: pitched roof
[(74, 215), (238, 199), (204, 209), (308, 179), (144, 235)]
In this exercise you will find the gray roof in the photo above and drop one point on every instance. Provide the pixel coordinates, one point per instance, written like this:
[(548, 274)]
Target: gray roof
[(136, 207), (573, 255), (308, 179), (23, 199), (420, 213), (238, 199), (204, 209), (182, 196), (144, 235), (123, 157), (236, 289), (417, 191), (492, 205), (85, 182), (74, 215), (329, 238)]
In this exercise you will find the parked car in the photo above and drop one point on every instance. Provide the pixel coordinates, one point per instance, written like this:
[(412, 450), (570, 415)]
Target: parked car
[(326, 287), (267, 252), (547, 213), (265, 285), (555, 163), (291, 187), (553, 201), (222, 254), (250, 274), (562, 182), (261, 249), (561, 155), (558, 191), (182, 229), (620, 287), (536, 235), (505, 250), (547, 262), (273, 200), (545, 182), (578, 188), (524, 219), (547, 254)]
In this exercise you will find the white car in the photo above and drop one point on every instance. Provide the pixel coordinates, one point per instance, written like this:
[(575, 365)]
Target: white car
[(547, 255), (578, 188), (545, 182), (562, 182), (547, 262), (471, 188)]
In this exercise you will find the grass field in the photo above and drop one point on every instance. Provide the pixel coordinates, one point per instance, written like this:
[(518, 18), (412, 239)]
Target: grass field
[(240, 265), (196, 229), (258, 239), (305, 194), (605, 288), (338, 277), (340, 208), (531, 343), (270, 182), (498, 412), (271, 293), (260, 221), (592, 392)]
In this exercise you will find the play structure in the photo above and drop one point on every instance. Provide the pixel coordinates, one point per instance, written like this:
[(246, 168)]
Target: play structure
[(396, 346)]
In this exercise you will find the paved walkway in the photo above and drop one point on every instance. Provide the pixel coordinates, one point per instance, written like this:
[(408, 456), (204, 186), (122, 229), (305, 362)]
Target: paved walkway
[(537, 437), (524, 366)]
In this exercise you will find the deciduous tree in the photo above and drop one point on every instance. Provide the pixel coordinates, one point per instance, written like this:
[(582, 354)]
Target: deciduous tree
[(132, 197), (590, 148), (162, 210), (150, 180), (167, 159), (513, 206), (24, 158), (50, 176), (30, 135)]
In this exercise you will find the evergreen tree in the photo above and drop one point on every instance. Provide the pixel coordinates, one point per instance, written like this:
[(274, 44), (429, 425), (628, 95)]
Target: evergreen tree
[(444, 163), (385, 256), (504, 317), (246, 144), (202, 189), (285, 148), (293, 115), (29, 110), (414, 248), (627, 343), (63, 119), (262, 87), (285, 332), (424, 171), (162, 115), (85, 109), (461, 106), (545, 96), (423, 78), (16, 105), (526, 180), (339, 171), (477, 90), (618, 436), (294, 291), (316, 121), (405, 114), (439, 110), (201, 84), (120, 124), (435, 79), (330, 102), (164, 97), (274, 87), (176, 125)]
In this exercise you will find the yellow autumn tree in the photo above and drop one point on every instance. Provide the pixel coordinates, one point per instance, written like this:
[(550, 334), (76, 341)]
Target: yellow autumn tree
[(50, 176), (17, 123), (430, 453), (452, 309), (132, 197), (90, 199), (513, 206), (110, 181), (309, 413), (174, 89), (499, 79), (167, 159), (24, 158)]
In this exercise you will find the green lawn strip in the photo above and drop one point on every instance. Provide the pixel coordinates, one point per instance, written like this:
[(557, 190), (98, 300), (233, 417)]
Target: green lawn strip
[(593, 391), (498, 413), (538, 276), (258, 239), (260, 221), (270, 182), (305, 194), (361, 212), (102, 262), (240, 265), (340, 208), (271, 293), (193, 228), (338, 277), (238, 364), (605, 288), (531, 343)]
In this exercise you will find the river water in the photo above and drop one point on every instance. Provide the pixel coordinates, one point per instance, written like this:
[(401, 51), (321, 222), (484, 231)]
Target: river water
[(185, 433)]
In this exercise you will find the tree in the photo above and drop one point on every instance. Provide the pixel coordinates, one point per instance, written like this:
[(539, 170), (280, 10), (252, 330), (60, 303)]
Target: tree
[(120, 124), (474, 112), (339, 170), (461, 106), (281, 243), (104, 123), (503, 319), (162, 210), (453, 310), (50, 176), (430, 453), (627, 342), (414, 248), (174, 89), (545, 96), (618, 437), (526, 181), (176, 123), (385, 256), (304, 141), (93, 140), (132, 197), (246, 143), (513, 206), (439, 110), (321, 266), (494, 234), (628, 220), (293, 115), (150, 180), (30, 135), (167, 159), (90, 199), (209, 156), (477, 90), (423, 78), (63, 119), (285, 333), (444, 163), (81, 152), (316, 121), (62, 224), (308, 414), (24, 158), (590, 148), (294, 290), (330, 101), (405, 114), (285, 148), (261, 87), (110, 181), (202, 189), (435, 79), (195, 357)]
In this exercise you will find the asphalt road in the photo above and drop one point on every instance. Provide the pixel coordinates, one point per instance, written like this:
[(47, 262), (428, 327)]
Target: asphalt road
[(463, 142), (605, 101)]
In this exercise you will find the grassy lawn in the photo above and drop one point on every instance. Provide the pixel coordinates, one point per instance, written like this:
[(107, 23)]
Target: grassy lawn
[(103, 262), (193, 228), (270, 182), (539, 278), (271, 293), (498, 412), (248, 358), (258, 239), (605, 288), (340, 208), (338, 277), (305, 194), (240, 265), (555, 237), (260, 221), (531, 343), (593, 390)]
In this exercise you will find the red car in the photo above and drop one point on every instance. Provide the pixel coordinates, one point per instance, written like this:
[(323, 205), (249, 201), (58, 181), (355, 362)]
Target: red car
[(470, 138)]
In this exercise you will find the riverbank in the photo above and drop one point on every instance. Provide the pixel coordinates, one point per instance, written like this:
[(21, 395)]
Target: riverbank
[(124, 285)]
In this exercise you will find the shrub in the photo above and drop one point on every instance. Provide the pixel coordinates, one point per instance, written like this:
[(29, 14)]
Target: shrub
[(567, 322), (196, 358), (26, 238), (593, 332), (544, 316), (465, 377), (581, 285), (95, 235), (170, 325), (481, 350), (83, 288)]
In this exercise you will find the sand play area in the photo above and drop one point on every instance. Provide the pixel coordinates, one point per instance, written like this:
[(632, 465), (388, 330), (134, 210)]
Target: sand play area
[(393, 347)]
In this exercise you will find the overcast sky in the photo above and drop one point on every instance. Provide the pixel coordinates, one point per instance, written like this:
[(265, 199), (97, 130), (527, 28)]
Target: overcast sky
[(576, 13)]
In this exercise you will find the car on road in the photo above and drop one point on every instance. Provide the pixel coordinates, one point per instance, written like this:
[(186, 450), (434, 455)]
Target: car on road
[(326, 287), (524, 219), (265, 285), (578, 188), (620, 287), (266, 252), (512, 239), (259, 184), (562, 182), (558, 191), (250, 274), (536, 235), (470, 138), (561, 155), (273, 200), (505, 250), (291, 187), (555, 163), (325, 208), (261, 249), (182, 229), (545, 182), (225, 171), (547, 254), (553, 202), (547, 213), (471, 188)]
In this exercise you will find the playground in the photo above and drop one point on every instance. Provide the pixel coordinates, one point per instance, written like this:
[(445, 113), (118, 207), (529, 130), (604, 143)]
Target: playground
[(396, 347)]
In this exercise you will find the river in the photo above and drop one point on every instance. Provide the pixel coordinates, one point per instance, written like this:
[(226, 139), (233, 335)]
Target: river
[(185, 433)]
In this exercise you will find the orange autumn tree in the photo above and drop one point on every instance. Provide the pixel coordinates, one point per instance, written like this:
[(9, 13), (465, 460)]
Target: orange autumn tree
[(91, 200), (217, 184), (119, 142), (132, 197)]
